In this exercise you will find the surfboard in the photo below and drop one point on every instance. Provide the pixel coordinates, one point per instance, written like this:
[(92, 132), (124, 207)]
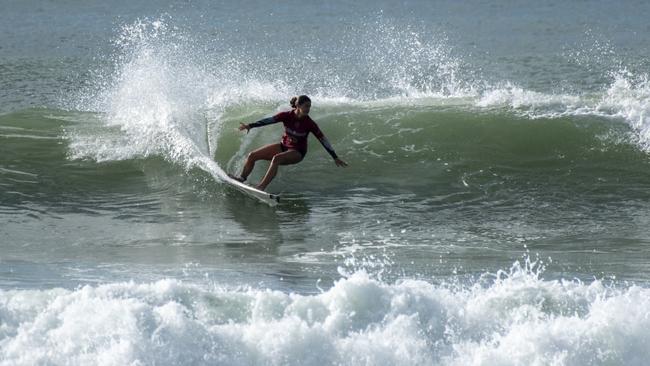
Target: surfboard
[(266, 197)]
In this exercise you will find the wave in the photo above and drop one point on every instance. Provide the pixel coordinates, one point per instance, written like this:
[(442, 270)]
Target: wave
[(444, 148), (167, 97), (512, 317), (625, 99), (164, 80)]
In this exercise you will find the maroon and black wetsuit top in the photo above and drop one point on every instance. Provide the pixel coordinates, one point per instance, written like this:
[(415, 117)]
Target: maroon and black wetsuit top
[(296, 131)]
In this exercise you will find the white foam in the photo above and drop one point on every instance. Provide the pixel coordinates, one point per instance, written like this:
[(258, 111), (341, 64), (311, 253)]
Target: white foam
[(516, 318), (532, 103), (628, 97)]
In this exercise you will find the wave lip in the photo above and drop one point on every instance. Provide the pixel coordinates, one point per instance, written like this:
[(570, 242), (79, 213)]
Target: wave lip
[(626, 98)]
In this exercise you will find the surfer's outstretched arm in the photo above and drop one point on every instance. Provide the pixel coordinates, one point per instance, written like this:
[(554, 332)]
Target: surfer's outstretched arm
[(326, 144), (260, 123)]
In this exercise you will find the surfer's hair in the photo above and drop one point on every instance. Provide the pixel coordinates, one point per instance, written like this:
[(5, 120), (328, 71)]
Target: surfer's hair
[(300, 100)]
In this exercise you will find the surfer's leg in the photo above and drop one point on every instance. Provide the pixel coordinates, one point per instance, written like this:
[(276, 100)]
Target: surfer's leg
[(285, 158), (263, 153)]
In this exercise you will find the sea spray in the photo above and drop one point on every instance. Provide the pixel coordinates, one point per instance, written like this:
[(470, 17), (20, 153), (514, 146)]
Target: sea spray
[(156, 98), (628, 98)]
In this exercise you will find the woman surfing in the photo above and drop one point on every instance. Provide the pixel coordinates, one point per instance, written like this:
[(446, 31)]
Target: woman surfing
[(293, 147)]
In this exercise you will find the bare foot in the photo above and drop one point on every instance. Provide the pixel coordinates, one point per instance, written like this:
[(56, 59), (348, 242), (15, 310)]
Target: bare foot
[(239, 179)]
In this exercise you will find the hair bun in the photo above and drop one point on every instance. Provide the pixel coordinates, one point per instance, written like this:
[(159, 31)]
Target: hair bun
[(292, 102)]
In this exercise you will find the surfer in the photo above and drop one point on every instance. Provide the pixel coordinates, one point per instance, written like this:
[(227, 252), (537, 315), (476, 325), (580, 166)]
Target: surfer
[(293, 147)]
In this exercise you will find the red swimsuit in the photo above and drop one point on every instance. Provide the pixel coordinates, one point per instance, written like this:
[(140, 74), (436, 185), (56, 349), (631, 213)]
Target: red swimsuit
[(296, 131)]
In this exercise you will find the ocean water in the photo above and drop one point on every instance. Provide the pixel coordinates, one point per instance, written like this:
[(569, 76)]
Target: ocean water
[(496, 210)]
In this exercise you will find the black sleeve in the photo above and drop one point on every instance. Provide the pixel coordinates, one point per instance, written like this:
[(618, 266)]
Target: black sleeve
[(326, 144), (263, 122)]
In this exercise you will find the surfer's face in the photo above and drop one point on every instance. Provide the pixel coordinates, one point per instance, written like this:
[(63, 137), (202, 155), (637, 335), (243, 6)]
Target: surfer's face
[(303, 109)]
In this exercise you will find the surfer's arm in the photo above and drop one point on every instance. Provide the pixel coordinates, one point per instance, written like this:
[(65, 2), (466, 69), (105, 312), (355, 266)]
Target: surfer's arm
[(326, 144), (260, 123)]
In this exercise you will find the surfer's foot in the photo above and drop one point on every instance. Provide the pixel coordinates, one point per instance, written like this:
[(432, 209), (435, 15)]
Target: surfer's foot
[(239, 179), (260, 187)]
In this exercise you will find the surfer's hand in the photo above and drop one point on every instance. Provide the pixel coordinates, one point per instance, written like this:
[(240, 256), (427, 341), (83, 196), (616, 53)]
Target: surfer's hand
[(243, 126), (340, 163)]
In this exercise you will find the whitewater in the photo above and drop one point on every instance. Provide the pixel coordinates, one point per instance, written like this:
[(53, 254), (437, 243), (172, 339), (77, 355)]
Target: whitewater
[(512, 318)]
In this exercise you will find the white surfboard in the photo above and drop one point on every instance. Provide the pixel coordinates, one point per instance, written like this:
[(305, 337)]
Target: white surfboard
[(266, 197)]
